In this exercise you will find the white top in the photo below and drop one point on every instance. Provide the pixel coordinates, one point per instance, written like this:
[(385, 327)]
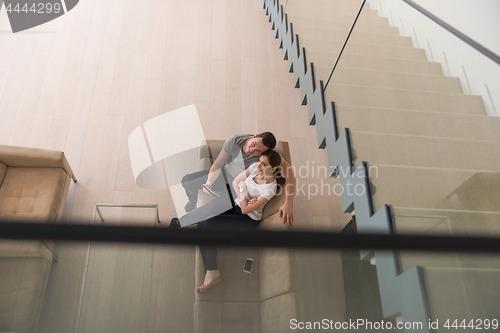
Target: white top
[(267, 191)]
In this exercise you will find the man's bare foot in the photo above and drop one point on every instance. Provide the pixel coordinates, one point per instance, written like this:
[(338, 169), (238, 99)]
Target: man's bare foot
[(211, 279)]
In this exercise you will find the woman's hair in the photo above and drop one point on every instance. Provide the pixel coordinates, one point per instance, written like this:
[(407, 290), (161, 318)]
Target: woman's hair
[(274, 161), (273, 156)]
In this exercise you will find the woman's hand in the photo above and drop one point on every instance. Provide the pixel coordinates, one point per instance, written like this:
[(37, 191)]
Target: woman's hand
[(253, 200), (286, 213), (253, 204)]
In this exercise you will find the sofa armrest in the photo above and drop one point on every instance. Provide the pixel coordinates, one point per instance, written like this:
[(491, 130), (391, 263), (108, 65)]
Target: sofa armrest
[(13, 156), (24, 249), (211, 150)]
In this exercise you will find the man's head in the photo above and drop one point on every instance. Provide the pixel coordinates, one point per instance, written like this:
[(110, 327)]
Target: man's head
[(260, 143)]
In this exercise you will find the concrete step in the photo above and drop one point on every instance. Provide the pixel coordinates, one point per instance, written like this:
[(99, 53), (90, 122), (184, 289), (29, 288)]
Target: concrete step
[(432, 188), (450, 260), (404, 99), (446, 222), (323, 5), (423, 123), (337, 20), (462, 293), (376, 63), (328, 11), (377, 78), (373, 50), (356, 36), (425, 151), (344, 26)]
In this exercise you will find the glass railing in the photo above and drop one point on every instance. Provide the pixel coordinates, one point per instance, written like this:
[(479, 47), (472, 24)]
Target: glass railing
[(147, 287), (117, 279), (460, 36)]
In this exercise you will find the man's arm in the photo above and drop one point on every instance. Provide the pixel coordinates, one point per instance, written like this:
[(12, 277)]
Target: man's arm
[(286, 211), (216, 167)]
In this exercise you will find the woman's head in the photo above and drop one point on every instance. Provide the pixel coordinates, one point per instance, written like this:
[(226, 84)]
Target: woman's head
[(269, 162)]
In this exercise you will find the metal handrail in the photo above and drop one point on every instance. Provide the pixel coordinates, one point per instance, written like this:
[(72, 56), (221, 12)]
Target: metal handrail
[(480, 48), (248, 238)]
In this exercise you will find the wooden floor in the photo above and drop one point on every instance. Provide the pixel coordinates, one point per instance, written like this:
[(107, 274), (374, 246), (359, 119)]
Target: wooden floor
[(84, 81)]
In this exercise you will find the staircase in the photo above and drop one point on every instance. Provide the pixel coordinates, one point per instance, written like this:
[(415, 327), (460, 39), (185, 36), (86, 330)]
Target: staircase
[(435, 151)]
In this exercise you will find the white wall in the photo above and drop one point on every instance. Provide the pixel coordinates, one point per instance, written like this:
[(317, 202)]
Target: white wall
[(478, 19)]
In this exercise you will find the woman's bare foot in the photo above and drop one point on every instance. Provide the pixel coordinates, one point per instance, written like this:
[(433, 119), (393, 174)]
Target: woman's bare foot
[(211, 279)]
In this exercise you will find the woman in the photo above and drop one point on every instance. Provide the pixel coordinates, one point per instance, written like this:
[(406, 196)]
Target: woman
[(254, 187)]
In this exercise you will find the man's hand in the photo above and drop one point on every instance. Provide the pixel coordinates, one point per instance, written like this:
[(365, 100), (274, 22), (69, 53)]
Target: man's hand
[(209, 185), (286, 213)]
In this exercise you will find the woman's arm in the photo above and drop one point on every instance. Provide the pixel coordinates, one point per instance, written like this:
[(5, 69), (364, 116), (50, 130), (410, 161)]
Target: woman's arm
[(246, 207), (241, 177), (239, 182)]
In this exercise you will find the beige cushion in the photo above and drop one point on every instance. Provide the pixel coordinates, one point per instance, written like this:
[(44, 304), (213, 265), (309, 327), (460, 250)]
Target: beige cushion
[(227, 317), (274, 222), (212, 149), (204, 164), (277, 312), (3, 170), (23, 282), (235, 285), (24, 249), (33, 193), (278, 272)]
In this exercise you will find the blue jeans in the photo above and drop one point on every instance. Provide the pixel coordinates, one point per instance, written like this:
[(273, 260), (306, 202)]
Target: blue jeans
[(192, 183), (231, 219)]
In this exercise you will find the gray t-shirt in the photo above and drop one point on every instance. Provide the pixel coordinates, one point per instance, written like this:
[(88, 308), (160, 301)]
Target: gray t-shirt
[(239, 161)]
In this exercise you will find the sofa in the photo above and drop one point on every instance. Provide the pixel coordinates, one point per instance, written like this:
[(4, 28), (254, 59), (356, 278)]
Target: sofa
[(34, 184), (263, 301)]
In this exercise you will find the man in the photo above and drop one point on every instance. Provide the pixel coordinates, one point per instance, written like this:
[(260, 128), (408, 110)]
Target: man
[(238, 153)]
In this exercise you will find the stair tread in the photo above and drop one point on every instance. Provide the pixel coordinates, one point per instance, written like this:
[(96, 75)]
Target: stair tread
[(415, 122), (359, 37), (404, 99), (426, 151), (325, 67), (435, 188), (446, 221), (325, 42), (398, 52), (346, 26), (381, 78), (377, 63), (339, 18)]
